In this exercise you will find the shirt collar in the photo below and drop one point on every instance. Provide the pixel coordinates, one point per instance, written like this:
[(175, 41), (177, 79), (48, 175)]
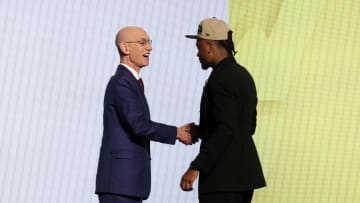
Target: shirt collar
[(225, 61), (133, 72)]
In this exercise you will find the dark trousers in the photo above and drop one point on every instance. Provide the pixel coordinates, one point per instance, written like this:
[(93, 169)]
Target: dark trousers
[(227, 197), (114, 198)]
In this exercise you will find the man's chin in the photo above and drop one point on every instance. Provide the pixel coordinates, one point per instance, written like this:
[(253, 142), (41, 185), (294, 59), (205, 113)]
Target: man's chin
[(204, 67), (144, 64)]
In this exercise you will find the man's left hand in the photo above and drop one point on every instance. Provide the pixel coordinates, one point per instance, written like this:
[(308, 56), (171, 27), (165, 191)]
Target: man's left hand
[(188, 179)]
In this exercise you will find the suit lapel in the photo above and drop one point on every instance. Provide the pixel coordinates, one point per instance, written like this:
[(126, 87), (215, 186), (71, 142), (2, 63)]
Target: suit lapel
[(135, 83)]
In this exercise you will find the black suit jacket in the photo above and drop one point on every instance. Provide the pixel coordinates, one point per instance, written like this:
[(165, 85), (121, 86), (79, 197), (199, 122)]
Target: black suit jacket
[(228, 160)]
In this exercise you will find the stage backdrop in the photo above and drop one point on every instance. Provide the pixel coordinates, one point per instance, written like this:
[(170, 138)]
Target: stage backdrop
[(56, 58)]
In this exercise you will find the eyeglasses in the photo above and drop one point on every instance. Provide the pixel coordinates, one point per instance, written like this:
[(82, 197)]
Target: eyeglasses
[(142, 42)]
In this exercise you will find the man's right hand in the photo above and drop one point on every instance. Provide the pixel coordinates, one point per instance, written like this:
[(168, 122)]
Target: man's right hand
[(183, 134)]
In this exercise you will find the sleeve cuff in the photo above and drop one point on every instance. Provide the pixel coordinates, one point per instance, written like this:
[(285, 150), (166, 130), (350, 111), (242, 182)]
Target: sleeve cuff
[(194, 166)]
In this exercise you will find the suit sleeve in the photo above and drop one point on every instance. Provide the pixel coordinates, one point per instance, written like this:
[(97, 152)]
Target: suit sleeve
[(132, 110)]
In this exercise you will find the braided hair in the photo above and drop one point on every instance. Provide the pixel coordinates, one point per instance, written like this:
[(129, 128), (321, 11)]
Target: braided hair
[(228, 44)]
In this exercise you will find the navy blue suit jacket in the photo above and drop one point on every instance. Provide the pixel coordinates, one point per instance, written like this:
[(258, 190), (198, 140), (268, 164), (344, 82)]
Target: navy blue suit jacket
[(124, 162)]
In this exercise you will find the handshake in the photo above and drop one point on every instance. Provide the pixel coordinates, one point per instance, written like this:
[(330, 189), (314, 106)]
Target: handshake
[(188, 134)]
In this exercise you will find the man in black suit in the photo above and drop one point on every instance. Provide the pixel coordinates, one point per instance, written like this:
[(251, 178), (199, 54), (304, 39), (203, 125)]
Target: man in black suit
[(228, 162)]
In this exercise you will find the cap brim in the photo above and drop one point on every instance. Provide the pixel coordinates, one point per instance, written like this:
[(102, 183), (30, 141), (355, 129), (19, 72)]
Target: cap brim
[(192, 36)]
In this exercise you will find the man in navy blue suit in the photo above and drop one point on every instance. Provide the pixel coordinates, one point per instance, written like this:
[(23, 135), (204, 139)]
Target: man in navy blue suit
[(123, 174)]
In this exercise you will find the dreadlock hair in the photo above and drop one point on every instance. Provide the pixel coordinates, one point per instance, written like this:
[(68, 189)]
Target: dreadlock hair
[(228, 44)]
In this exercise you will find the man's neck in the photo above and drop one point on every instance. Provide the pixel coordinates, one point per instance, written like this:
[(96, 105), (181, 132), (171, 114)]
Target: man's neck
[(220, 57), (129, 64)]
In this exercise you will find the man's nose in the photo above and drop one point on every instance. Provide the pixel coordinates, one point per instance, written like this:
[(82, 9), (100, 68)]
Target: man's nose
[(148, 47)]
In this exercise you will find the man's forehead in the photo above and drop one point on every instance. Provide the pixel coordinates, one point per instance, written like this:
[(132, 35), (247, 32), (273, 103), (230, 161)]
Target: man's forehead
[(133, 33)]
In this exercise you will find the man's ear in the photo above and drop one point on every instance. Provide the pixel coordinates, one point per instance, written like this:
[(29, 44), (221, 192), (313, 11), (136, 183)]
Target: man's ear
[(210, 46), (124, 48)]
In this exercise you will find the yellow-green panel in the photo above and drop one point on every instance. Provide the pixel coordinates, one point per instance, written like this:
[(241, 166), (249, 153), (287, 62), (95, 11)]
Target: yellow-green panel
[(305, 58)]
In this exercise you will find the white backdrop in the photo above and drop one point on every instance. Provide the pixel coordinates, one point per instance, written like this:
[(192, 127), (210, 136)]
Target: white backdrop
[(56, 57)]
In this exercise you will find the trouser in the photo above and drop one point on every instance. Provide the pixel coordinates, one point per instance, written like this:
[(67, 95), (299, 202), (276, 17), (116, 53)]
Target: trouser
[(227, 197), (114, 198)]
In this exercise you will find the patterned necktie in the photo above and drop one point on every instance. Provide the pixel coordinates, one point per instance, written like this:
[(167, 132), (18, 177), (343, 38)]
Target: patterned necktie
[(141, 85)]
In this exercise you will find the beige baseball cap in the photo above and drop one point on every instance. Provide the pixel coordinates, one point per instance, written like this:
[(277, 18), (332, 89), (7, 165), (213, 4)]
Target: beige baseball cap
[(211, 29)]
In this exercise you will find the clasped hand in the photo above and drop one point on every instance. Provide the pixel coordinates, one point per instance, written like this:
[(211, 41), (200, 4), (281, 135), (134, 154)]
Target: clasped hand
[(188, 134)]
